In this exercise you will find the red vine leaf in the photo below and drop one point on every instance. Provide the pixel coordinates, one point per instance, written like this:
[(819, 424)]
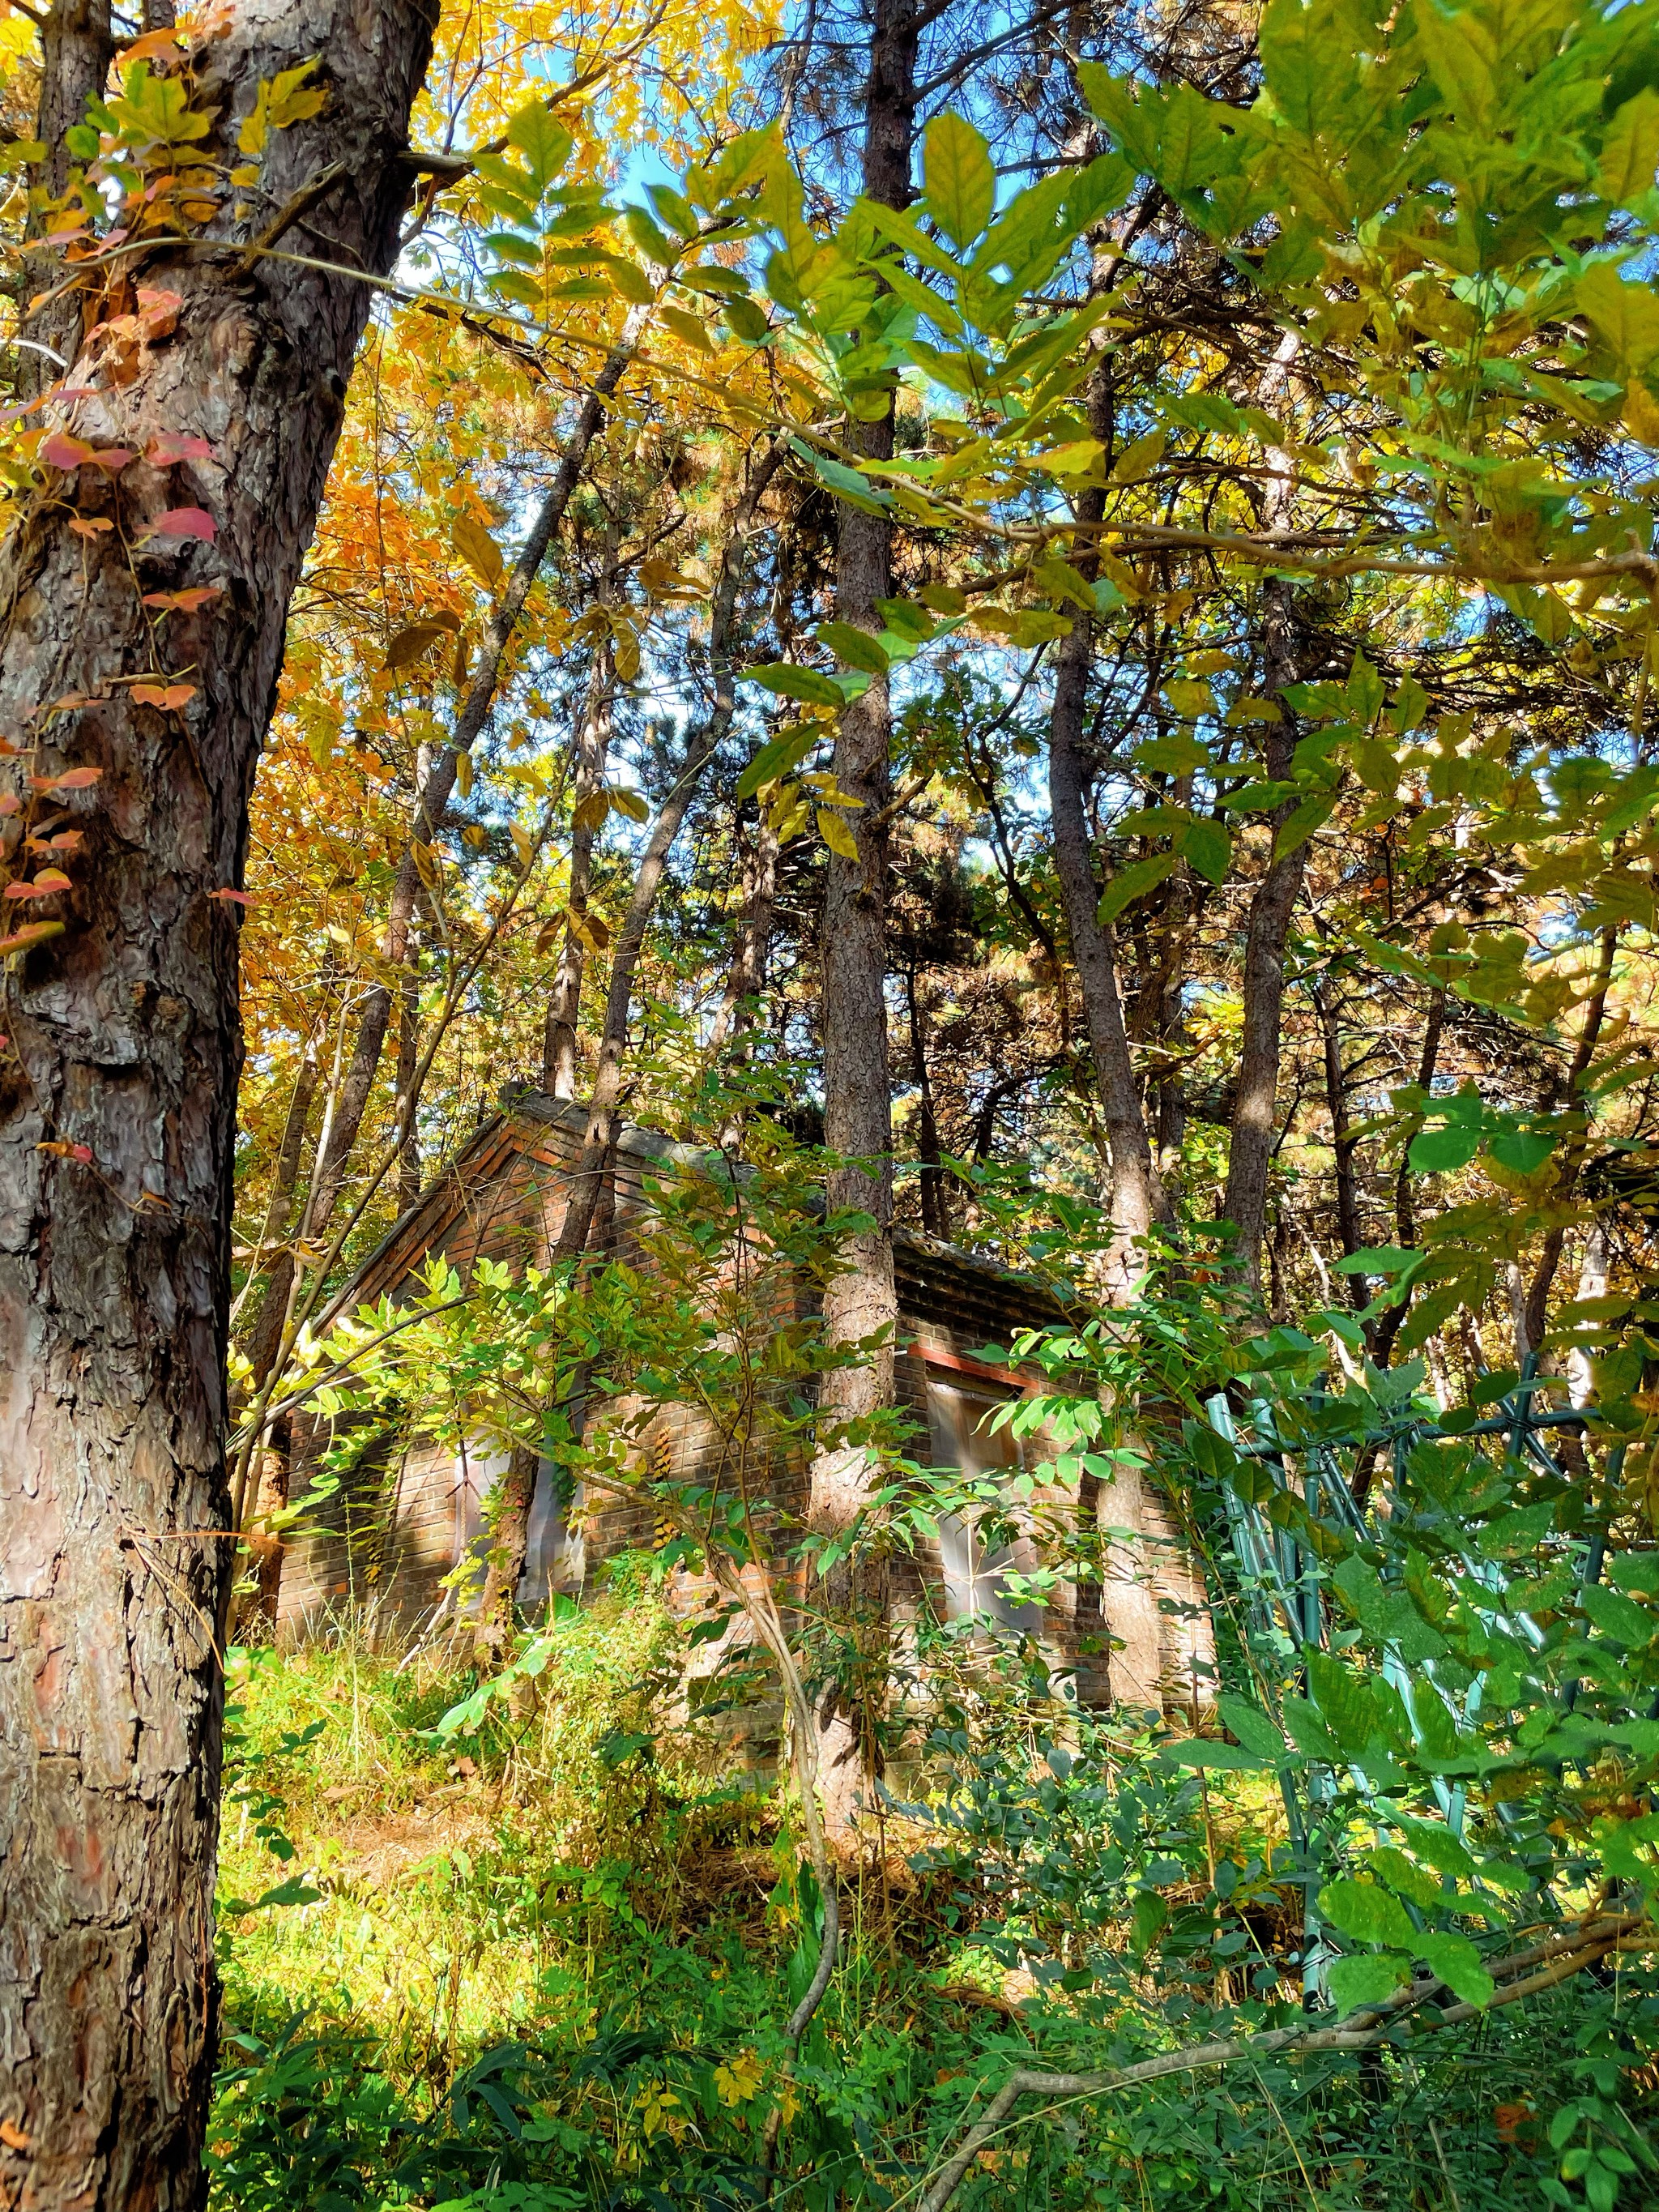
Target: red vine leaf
[(167, 446), (62, 1151), (242, 898), (59, 450), (182, 522), (46, 885), (93, 526), (168, 697)]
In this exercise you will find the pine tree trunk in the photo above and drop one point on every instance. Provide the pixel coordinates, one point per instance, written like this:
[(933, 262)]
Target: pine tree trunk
[(1250, 1152), (861, 1303), (114, 1267)]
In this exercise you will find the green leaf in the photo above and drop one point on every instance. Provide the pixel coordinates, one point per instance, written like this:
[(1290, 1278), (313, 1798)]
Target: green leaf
[(1133, 882), (1521, 1150), (1437, 1152), (854, 646), (1365, 1911), (788, 682), (1345, 1699), (544, 143), (1204, 1752), (958, 183), (1455, 1961), (1630, 151), (847, 484), (1411, 1880), (1626, 315), (1436, 1844), (775, 760), (1252, 1728), (1368, 1979), (1206, 846), (1618, 1616), (1307, 816)]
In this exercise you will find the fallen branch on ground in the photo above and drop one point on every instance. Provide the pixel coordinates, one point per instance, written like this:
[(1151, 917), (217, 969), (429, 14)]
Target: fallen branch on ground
[(1555, 1960)]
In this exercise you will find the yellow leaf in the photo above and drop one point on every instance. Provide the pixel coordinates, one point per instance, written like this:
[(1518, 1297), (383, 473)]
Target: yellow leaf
[(1140, 458), (463, 773), (688, 328), (1642, 414), (630, 804), (415, 640), (1074, 460), (478, 550), (291, 100), (251, 138), (837, 834)]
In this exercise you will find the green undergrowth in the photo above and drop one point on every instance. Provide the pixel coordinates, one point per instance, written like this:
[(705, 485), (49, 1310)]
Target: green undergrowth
[(545, 1966)]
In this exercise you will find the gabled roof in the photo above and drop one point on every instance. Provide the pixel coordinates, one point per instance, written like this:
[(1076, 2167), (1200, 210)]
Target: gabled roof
[(547, 1134)]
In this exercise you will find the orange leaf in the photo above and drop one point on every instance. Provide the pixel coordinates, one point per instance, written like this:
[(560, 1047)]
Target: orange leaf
[(153, 45), (10, 803), (91, 527), (62, 1151), (34, 932), (242, 898), (159, 311), (112, 458), (72, 779), (45, 885), (186, 602), (10, 2133), (168, 697)]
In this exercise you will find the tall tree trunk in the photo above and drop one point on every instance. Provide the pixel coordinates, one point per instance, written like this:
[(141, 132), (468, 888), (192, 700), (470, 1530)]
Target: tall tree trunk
[(739, 1010), (1250, 1148), (1138, 1201), (933, 1222), (1388, 1328), (406, 1104), (745, 978), (587, 789), (78, 46), (860, 1305), (505, 1568), (1343, 1142), (114, 1259), (1572, 1152)]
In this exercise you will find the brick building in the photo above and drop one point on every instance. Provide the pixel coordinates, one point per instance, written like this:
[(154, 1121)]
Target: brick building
[(1142, 1637)]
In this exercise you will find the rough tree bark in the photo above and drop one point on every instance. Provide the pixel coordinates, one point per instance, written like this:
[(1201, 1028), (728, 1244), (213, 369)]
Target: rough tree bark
[(117, 1112), (588, 784), (1250, 1151), (1138, 1201), (1250, 1148), (1344, 1143), (861, 1303)]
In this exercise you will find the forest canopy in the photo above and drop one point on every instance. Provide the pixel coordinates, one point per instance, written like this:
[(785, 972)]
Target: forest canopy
[(1025, 636)]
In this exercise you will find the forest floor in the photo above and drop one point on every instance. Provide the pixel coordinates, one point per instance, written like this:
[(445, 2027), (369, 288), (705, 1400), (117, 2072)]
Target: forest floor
[(549, 1971)]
